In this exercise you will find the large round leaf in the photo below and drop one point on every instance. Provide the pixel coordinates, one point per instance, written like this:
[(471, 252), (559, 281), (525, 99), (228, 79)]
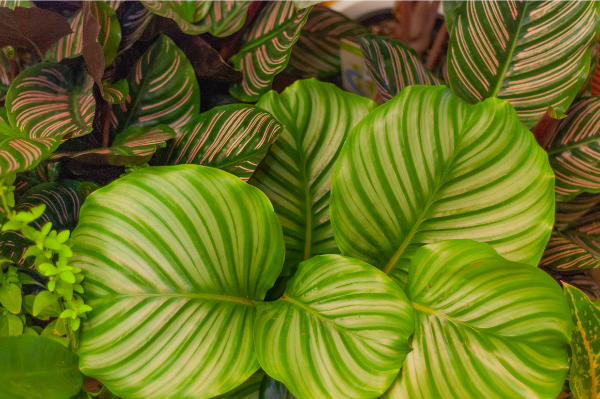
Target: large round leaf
[(340, 330), (531, 54), (485, 327), (173, 258), (37, 368), (427, 167), (49, 100), (296, 173), (162, 89)]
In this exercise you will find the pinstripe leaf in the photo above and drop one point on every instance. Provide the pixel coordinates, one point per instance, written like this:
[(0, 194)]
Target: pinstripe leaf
[(296, 173), (569, 212), (266, 48), (173, 258), (234, 138), (393, 65), (162, 89), (583, 283), (70, 46), (486, 327), (317, 51), (248, 390), (531, 54), (14, 3), (426, 167), (133, 22), (226, 17), (19, 154), (574, 149), (116, 93), (340, 331), (585, 345), (49, 100)]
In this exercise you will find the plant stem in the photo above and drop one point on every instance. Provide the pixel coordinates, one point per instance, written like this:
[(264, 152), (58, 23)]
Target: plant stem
[(106, 125)]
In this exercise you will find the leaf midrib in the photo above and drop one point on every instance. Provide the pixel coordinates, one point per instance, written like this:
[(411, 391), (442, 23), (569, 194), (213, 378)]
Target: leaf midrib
[(227, 298), (574, 146)]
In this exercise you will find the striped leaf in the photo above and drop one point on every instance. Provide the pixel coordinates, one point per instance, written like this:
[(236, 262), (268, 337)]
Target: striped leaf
[(116, 93), (226, 17), (569, 212), (317, 51), (133, 22), (296, 173), (340, 331), (531, 54), (20, 154), (393, 65), (5, 74), (574, 150), (162, 89), (486, 327), (585, 345), (173, 258), (15, 3), (583, 283), (248, 390), (586, 89), (109, 36), (266, 48), (133, 146), (70, 46), (184, 13), (427, 167), (234, 138), (48, 100)]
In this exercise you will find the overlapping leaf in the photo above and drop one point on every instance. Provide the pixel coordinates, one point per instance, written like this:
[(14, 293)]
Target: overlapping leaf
[(5, 74), (173, 258), (296, 173), (393, 65), (266, 48), (234, 138), (248, 390), (569, 212), (531, 54), (162, 89), (317, 51), (486, 327), (133, 22), (585, 345), (426, 167), (340, 330), (116, 93), (71, 45), (226, 17)]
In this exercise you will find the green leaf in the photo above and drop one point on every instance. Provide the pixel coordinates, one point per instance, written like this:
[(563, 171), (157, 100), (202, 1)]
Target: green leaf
[(531, 54), (300, 4), (296, 173), (185, 13), (38, 368), (248, 390), (5, 74), (427, 167), (234, 138), (266, 49), (569, 212), (116, 93), (270, 388), (573, 143), (162, 89), (133, 22), (586, 89), (340, 331), (49, 100), (109, 36), (571, 250), (585, 345), (393, 65), (173, 258), (53, 310), (317, 51), (582, 282), (70, 46), (225, 17), (20, 154), (486, 327), (43, 300), (11, 297), (14, 3), (10, 325)]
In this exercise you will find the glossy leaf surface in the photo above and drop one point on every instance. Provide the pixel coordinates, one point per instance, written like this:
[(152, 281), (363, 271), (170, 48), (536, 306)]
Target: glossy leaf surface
[(340, 330), (234, 138), (426, 167), (531, 54), (486, 327), (173, 258), (393, 65), (296, 173)]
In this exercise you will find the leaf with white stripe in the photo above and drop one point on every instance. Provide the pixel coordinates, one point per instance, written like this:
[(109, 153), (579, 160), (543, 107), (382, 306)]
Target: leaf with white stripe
[(531, 54), (426, 167), (486, 327), (162, 89), (248, 390), (341, 330), (585, 345), (174, 257), (296, 173), (234, 138), (49, 100), (574, 150), (317, 51), (266, 48), (393, 65)]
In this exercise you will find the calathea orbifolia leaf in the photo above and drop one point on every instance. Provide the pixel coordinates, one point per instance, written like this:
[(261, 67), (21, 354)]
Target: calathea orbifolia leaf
[(485, 327), (248, 390), (173, 258), (162, 89), (296, 173), (317, 51), (234, 138), (340, 330), (266, 48), (393, 65), (585, 345), (531, 54), (426, 167), (574, 149)]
